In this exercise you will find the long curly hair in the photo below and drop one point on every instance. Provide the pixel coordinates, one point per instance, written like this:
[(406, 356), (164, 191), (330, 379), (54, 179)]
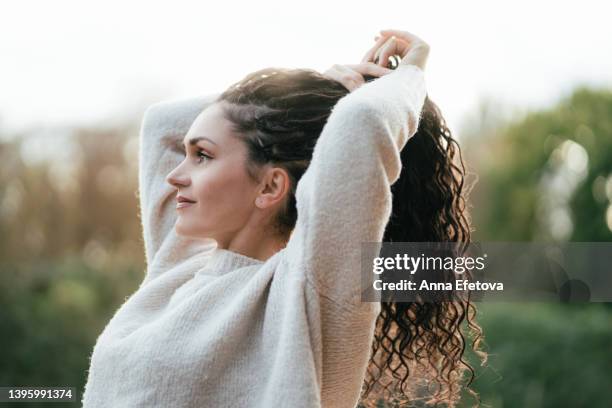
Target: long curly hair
[(281, 113)]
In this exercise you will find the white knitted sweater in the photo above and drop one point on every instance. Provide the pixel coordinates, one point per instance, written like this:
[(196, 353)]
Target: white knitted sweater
[(212, 328)]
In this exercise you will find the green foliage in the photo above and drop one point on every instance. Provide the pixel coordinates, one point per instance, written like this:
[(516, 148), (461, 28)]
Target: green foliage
[(50, 316), (545, 355), (516, 162)]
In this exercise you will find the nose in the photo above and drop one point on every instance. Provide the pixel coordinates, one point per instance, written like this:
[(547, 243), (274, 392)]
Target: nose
[(177, 178)]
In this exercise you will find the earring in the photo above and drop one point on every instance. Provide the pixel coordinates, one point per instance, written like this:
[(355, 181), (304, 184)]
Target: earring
[(258, 201)]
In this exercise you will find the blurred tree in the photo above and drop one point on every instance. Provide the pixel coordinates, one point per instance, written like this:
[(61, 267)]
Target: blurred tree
[(544, 175), (81, 199), (547, 175), (70, 249)]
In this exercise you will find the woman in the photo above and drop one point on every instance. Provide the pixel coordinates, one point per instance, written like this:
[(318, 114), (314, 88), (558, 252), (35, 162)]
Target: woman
[(252, 291)]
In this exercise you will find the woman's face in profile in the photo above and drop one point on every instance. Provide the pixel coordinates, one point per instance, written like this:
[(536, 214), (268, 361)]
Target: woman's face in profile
[(213, 175)]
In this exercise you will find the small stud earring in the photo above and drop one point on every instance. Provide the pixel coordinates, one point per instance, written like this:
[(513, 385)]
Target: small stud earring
[(258, 201)]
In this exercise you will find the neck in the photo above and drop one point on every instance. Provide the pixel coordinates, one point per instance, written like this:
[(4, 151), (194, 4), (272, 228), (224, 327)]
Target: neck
[(258, 244)]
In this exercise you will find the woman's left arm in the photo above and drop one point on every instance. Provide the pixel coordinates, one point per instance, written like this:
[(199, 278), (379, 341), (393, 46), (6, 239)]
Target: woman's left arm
[(344, 197)]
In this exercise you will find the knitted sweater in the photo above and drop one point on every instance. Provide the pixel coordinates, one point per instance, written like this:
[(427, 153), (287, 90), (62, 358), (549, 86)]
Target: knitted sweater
[(213, 328)]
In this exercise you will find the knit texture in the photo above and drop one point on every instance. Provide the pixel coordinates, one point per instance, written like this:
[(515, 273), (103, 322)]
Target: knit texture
[(213, 328)]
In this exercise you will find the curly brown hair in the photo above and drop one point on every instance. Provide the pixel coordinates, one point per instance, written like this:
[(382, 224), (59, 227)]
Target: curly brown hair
[(281, 113), (426, 338)]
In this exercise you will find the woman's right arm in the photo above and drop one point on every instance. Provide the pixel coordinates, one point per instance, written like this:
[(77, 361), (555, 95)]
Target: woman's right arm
[(161, 136)]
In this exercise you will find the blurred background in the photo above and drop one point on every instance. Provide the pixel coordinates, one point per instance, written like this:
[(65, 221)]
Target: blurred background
[(526, 88)]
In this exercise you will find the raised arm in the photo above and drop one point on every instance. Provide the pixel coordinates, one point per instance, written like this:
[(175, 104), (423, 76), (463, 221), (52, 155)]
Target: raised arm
[(344, 198), (163, 127)]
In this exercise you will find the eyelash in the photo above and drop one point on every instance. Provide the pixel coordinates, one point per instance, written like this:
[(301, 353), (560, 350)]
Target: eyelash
[(200, 154)]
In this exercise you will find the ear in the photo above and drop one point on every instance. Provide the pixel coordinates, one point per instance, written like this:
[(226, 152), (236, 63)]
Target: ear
[(275, 185)]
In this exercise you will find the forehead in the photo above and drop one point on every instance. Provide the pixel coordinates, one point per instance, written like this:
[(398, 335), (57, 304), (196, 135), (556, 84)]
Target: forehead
[(212, 124)]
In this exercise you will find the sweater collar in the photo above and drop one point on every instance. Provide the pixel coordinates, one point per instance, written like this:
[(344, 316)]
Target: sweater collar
[(222, 261)]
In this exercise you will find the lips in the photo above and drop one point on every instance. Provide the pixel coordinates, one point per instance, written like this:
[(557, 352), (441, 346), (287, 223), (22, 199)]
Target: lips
[(182, 202), (183, 199)]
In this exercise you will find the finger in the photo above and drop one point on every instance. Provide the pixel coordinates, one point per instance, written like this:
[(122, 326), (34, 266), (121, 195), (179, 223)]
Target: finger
[(369, 68), (350, 78), (369, 56), (388, 49), (376, 56), (405, 35)]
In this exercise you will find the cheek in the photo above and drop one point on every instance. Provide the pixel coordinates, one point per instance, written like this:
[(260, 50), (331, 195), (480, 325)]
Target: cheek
[(224, 190)]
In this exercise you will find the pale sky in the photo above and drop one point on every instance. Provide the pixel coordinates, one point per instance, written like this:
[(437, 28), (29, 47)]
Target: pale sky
[(85, 62)]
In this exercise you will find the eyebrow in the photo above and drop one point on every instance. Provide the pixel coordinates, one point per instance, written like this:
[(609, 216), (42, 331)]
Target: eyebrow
[(195, 140)]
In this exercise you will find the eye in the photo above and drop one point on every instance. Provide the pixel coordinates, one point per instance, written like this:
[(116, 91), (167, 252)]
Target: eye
[(201, 156)]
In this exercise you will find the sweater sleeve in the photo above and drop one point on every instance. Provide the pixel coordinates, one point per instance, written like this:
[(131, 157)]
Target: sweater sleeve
[(344, 197), (163, 128)]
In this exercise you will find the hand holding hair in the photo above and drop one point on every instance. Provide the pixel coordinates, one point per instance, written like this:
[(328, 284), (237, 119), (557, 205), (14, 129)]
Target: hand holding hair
[(352, 76), (412, 49), (390, 47)]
